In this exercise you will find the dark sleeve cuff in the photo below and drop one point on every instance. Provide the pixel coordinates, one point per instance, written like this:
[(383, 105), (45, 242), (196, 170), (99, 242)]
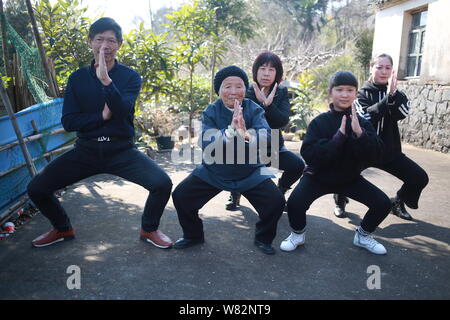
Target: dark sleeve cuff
[(391, 98), (109, 87), (339, 137), (363, 134)]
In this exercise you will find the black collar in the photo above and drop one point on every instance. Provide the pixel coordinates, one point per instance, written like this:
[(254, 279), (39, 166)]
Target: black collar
[(346, 112)]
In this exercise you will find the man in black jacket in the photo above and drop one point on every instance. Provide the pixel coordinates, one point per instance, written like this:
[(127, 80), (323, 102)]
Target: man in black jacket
[(99, 105)]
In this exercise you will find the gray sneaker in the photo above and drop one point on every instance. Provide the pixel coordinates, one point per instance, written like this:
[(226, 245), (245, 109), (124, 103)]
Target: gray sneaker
[(369, 243)]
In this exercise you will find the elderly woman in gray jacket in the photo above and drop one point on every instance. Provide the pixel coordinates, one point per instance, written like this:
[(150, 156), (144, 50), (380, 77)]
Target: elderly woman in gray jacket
[(232, 128), (267, 73)]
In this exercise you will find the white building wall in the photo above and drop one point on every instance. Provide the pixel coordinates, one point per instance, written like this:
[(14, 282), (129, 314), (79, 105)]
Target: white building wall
[(392, 26), (428, 123), (436, 58)]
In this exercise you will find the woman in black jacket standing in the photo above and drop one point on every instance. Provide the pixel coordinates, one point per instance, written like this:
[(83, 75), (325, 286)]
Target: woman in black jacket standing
[(267, 72), (380, 102)]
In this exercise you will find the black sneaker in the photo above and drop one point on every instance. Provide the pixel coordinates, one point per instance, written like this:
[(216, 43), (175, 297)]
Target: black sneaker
[(184, 243), (264, 247), (341, 202), (234, 201), (398, 209)]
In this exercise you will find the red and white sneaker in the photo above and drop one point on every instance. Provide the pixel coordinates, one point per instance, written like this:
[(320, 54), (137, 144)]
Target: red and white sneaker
[(53, 236), (156, 238)]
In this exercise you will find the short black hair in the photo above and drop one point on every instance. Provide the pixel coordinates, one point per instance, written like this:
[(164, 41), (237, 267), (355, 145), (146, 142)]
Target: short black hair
[(105, 24), (342, 78), (267, 57)]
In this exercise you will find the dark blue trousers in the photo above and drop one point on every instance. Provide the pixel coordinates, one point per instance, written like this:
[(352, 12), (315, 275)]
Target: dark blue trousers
[(88, 158)]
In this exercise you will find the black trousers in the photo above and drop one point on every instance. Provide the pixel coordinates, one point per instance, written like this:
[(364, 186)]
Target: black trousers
[(293, 166), (414, 178), (361, 190), (89, 158), (193, 193)]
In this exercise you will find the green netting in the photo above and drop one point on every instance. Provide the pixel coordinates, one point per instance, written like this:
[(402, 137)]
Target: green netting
[(30, 64)]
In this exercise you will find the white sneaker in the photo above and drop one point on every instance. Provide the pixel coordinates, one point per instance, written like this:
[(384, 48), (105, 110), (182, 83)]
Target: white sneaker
[(369, 243), (293, 241)]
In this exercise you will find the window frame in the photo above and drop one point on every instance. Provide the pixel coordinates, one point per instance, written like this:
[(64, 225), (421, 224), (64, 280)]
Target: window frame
[(420, 41)]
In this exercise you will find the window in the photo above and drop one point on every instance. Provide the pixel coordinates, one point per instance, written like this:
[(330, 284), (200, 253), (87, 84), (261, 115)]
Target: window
[(416, 42)]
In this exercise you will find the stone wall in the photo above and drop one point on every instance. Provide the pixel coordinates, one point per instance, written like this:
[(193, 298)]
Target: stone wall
[(428, 123)]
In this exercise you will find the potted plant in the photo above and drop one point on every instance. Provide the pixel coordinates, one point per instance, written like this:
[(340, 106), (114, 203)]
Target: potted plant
[(159, 122)]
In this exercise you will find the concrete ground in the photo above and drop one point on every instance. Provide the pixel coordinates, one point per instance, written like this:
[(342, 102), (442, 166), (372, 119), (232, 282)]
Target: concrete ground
[(115, 264)]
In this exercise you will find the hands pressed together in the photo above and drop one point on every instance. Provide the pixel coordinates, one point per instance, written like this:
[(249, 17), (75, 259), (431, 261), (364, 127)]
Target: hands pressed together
[(356, 128), (101, 71), (261, 94), (392, 85), (238, 122)]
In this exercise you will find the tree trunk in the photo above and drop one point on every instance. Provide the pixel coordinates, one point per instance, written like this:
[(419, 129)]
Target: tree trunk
[(213, 70), (191, 116), (191, 103)]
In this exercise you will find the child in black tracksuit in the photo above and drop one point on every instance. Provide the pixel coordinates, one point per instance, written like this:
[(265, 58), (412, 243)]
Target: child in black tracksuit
[(382, 104), (336, 148)]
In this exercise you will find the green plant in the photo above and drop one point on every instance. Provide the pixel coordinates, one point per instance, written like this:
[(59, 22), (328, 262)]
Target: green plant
[(191, 29), (363, 50), (321, 75), (150, 56), (6, 80), (157, 121), (64, 29), (302, 103), (227, 17), (182, 93)]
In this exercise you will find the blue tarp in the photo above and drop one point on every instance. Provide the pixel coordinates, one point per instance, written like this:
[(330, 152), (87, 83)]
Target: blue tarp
[(48, 118)]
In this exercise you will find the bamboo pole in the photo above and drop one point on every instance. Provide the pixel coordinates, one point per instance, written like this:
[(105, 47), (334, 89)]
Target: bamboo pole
[(12, 117), (52, 86), (8, 212), (41, 143), (31, 138), (48, 154)]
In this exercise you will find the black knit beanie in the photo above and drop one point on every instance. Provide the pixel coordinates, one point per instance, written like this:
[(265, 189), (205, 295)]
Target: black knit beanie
[(342, 78), (229, 71)]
